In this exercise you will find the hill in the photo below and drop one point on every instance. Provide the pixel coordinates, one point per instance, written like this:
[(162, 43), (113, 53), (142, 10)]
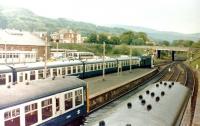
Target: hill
[(23, 19), (161, 35)]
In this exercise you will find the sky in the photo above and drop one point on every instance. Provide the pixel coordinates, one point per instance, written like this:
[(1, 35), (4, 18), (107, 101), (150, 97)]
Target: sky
[(165, 15)]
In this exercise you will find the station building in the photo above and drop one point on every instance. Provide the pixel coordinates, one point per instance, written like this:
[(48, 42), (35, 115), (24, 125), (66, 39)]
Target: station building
[(20, 47)]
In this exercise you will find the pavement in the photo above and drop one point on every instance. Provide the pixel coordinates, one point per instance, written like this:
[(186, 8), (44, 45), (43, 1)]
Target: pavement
[(97, 85)]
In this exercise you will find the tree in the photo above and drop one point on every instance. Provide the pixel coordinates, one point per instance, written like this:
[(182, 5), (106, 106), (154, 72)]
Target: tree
[(103, 38), (114, 40), (143, 36), (166, 43), (92, 38), (127, 37)]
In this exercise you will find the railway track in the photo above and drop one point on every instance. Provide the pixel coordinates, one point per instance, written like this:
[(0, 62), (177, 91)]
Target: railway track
[(183, 74)]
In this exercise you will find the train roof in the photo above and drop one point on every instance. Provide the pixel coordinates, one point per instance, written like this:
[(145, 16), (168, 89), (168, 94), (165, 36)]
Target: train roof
[(5, 69), (165, 112), (21, 93), (110, 60), (40, 65)]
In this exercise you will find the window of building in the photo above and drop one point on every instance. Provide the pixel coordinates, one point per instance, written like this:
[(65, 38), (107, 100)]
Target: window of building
[(78, 97), (32, 75), (31, 114), (40, 74), (12, 117), (2, 79), (68, 101), (46, 108)]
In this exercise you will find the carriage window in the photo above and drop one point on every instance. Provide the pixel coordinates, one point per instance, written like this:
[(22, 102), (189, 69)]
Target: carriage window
[(99, 66), (57, 104), (95, 66), (2, 79), (59, 71), (79, 69), (20, 77), (9, 78), (88, 67), (31, 114), (74, 69), (68, 101), (40, 74), (54, 72), (26, 76), (63, 71), (92, 67), (46, 108), (78, 97), (69, 70), (32, 75), (48, 72), (12, 118)]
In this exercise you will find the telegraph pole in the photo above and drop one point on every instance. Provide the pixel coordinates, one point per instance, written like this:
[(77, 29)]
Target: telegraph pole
[(45, 66), (103, 60), (130, 57), (5, 53)]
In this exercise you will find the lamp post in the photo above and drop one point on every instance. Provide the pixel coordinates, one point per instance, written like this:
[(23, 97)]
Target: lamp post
[(130, 56), (103, 60), (45, 63), (5, 49)]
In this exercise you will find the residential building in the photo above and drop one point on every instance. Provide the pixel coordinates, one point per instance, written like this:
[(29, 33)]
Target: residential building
[(66, 36)]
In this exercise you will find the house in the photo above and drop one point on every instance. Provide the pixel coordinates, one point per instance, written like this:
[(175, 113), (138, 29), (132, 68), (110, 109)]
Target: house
[(66, 36), (15, 44)]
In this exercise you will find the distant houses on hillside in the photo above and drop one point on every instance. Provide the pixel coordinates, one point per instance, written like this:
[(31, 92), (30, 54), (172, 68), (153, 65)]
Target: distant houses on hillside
[(66, 36)]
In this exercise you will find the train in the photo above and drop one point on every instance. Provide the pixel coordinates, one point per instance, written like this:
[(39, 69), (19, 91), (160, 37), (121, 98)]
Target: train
[(49, 102), (20, 73), (159, 104)]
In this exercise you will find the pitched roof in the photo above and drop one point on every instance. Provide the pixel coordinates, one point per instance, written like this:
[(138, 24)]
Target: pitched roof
[(15, 37)]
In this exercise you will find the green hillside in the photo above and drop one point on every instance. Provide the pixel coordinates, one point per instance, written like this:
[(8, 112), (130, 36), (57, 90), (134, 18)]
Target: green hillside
[(24, 19)]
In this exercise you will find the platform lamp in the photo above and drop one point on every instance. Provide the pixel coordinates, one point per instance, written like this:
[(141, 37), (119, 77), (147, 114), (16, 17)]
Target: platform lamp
[(104, 50), (130, 56), (45, 66)]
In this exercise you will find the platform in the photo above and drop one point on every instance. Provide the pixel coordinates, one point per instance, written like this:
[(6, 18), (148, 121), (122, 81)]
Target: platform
[(98, 85)]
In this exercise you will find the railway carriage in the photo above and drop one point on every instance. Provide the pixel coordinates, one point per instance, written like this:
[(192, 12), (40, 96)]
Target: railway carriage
[(159, 104), (49, 102), (6, 75), (21, 73)]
